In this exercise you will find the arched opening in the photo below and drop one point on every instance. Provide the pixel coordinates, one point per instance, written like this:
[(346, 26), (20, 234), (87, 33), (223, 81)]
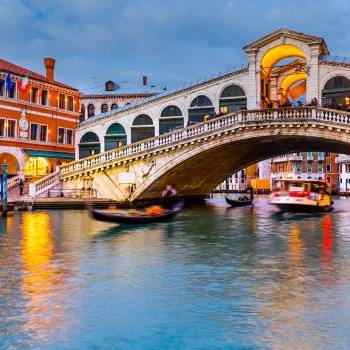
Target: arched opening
[(114, 106), (36, 166), (170, 119), (336, 93), (91, 110), (232, 99), (12, 164), (280, 68), (104, 108), (82, 113), (142, 128), (115, 137), (89, 145), (200, 107)]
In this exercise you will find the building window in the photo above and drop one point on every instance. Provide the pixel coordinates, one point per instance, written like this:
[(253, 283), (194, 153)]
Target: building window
[(328, 154), (320, 167), (70, 103), (61, 101), (34, 95), (33, 131), (60, 135), (69, 137), (328, 168), (110, 85), (38, 132), (91, 110), (309, 167), (44, 96), (12, 92), (114, 106), (43, 133), (298, 168), (104, 108), (82, 113), (2, 87), (309, 156)]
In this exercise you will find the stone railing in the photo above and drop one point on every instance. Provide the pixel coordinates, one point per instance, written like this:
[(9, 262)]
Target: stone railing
[(42, 186), (14, 181), (236, 119)]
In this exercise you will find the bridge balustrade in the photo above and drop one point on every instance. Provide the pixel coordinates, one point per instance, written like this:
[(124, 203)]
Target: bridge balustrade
[(219, 123)]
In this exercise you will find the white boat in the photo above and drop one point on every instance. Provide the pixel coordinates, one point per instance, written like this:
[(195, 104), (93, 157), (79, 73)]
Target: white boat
[(302, 196)]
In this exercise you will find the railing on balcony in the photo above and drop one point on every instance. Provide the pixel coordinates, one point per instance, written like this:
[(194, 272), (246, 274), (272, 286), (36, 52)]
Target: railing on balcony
[(42, 186), (302, 114)]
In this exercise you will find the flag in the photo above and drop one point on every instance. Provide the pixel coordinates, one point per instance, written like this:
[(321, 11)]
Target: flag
[(8, 82), (24, 84)]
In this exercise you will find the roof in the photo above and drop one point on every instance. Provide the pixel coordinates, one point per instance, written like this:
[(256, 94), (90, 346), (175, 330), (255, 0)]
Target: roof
[(18, 70), (122, 88), (310, 39)]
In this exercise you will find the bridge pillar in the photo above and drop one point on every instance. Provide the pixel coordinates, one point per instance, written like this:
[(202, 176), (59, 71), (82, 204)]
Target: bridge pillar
[(253, 101), (312, 84)]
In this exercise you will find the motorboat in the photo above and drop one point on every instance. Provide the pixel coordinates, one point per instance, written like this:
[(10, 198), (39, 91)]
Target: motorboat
[(302, 196)]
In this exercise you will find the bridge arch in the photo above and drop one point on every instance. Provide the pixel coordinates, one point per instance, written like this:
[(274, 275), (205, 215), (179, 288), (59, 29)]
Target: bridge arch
[(290, 80), (12, 162), (232, 98), (142, 128), (170, 118), (89, 145), (199, 107), (197, 171), (115, 136), (336, 91)]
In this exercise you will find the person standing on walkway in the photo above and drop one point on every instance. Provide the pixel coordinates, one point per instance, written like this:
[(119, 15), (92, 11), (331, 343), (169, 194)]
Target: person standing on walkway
[(21, 187)]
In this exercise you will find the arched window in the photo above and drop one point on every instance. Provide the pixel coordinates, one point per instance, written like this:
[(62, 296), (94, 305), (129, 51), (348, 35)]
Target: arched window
[(232, 99), (82, 113), (115, 137), (109, 85), (104, 108), (114, 106), (200, 108), (142, 128), (170, 119), (89, 145), (336, 93), (91, 110)]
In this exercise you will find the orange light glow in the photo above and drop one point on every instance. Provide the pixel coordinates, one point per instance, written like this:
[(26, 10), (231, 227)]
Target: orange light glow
[(291, 79), (278, 53)]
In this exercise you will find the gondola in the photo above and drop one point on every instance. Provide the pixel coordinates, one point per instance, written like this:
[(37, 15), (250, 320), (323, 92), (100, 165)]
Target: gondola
[(124, 217), (239, 202)]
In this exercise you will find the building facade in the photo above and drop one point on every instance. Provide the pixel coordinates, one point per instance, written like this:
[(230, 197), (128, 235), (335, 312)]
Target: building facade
[(307, 165), (38, 118), (343, 162)]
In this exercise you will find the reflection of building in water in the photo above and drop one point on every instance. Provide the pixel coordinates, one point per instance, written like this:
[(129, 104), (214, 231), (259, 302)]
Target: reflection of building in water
[(41, 279)]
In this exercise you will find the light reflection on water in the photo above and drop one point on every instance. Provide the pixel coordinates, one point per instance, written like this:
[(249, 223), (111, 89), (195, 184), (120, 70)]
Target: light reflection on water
[(214, 278)]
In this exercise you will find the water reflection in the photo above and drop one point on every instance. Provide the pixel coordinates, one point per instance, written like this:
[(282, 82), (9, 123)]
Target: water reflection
[(41, 279)]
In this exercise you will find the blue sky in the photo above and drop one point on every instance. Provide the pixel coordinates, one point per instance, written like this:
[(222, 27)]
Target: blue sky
[(172, 42)]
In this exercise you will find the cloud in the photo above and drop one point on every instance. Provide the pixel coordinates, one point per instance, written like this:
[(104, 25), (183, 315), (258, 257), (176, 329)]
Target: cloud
[(172, 42)]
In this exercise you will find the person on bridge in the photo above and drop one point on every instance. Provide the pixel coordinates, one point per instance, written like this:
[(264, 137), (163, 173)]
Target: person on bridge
[(169, 197), (21, 187)]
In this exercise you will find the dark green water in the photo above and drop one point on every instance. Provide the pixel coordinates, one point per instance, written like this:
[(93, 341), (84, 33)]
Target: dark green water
[(214, 278)]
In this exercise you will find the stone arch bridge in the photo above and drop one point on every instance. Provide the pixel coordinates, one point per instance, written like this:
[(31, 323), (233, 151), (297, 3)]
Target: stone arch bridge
[(197, 158)]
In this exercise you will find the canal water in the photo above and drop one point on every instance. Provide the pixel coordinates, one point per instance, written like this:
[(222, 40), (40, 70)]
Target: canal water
[(214, 278)]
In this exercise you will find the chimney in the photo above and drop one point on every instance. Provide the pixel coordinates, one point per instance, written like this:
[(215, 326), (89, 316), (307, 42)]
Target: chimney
[(50, 69), (144, 80)]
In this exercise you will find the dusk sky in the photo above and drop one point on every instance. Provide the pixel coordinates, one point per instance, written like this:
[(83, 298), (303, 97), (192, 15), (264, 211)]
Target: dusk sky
[(173, 42)]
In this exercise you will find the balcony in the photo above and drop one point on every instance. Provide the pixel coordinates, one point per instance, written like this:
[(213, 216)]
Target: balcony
[(342, 158)]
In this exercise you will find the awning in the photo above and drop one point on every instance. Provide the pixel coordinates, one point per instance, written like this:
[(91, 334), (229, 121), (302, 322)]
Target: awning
[(49, 154)]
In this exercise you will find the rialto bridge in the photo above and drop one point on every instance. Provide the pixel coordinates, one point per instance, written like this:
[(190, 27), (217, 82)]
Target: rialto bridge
[(132, 152)]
